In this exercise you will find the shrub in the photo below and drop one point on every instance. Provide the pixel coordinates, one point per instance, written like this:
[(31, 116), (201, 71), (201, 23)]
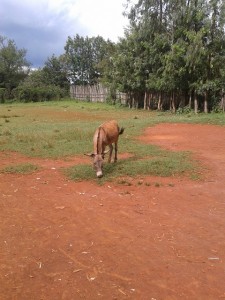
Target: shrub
[(184, 110), (38, 94), (2, 95)]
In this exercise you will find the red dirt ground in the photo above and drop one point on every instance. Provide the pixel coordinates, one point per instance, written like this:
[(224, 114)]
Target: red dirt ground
[(159, 238)]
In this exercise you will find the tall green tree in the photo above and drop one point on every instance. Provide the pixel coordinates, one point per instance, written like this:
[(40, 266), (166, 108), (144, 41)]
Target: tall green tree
[(14, 66), (148, 24), (178, 51), (84, 56), (55, 72)]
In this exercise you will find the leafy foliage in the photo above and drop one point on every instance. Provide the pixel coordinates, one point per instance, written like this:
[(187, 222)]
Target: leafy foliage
[(38, 94), (83, 58), (13, 65), (55, 72), (173, 56)]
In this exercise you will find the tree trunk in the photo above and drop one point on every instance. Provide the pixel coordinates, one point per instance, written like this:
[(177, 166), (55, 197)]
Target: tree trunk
[(160, 101), (161, 14), (195, 103), (173, 102), (223, 102), (129, 100), (145, 100), (149, 101), (190, 100), (133, 100), (182, 101), (206, 102)]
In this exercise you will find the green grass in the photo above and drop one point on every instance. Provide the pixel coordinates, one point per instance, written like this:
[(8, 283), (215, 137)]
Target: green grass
[(170, 164), (65, 128), (20, 169)]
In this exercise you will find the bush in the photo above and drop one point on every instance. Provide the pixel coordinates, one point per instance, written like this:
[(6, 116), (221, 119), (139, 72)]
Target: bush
[(38, 94), (2, 95), (184, 110), (217, 109)]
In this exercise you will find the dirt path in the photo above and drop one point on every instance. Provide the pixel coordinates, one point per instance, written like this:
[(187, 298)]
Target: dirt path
[(157, 239)]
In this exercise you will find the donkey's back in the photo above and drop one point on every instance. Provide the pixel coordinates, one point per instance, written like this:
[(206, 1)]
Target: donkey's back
[(111, 132)]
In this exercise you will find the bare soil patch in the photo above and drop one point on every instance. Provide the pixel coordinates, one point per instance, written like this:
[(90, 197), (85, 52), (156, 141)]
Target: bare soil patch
[(158, 238)]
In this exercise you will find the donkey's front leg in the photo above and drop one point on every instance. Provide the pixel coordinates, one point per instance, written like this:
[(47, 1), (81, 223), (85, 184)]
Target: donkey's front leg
[(116, 148), (110, 153)]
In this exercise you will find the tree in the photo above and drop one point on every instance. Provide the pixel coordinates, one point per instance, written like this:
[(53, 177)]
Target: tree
[(146, 44), (84, 56), (177, 53), (123, 68), (13, 64), (55, 73), (35, 79)]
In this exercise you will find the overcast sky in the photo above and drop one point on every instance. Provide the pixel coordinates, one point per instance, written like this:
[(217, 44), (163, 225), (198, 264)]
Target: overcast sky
[(43, 26)]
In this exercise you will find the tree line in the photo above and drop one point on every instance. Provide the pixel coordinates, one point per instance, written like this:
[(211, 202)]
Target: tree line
[(172, 57)]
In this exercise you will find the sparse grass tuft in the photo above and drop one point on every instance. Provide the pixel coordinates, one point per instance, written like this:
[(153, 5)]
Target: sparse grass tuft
[(80, 172), (124, 182), (20, 169)]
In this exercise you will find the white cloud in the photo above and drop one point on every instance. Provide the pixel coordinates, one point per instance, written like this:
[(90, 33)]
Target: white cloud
[(101, 17), (97, 17)]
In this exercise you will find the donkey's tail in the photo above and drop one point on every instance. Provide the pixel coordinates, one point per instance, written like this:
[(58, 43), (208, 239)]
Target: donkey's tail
[(121, 130)]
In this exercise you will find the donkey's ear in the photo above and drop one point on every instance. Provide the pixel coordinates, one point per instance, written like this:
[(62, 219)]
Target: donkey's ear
[(89, 154)]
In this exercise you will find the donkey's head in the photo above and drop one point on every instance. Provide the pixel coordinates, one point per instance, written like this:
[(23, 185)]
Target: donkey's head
[(98, 163)]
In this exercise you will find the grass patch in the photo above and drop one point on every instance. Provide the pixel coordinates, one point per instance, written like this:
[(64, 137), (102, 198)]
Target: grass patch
[(172, 164), (20, 169), (65, 128)]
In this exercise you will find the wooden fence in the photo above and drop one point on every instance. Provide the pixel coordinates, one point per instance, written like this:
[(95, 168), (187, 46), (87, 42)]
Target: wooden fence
[(94, 93)]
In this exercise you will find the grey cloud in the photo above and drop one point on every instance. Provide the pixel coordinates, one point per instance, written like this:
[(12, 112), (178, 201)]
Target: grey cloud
[(41, 33)]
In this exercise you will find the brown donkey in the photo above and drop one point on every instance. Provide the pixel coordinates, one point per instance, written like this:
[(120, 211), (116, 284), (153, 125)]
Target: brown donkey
[(105, 135)]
